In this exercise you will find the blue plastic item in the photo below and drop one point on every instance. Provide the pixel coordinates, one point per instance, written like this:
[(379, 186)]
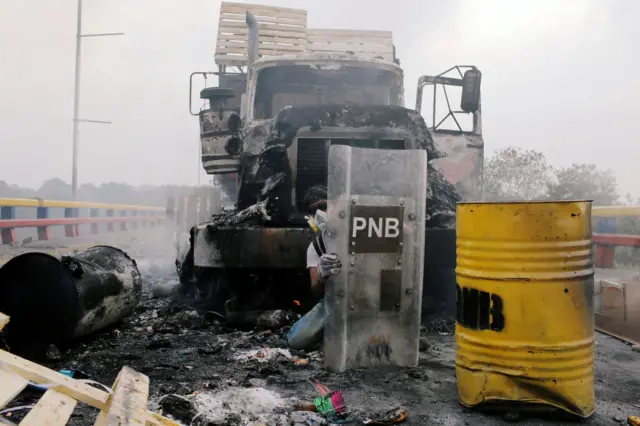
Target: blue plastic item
[(307, 331)]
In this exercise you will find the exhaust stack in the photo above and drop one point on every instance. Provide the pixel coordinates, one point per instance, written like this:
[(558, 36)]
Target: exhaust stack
[(253, 39)]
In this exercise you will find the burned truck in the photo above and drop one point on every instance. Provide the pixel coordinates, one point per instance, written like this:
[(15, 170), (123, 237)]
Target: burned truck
[(287, 93)]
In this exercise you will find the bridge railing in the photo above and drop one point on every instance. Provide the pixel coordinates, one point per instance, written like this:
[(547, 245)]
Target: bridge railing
[(609, 234), (616, 238), (71, 215)]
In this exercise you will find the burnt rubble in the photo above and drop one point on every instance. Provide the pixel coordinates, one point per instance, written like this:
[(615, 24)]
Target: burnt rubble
[(268, 172), (203, 372)]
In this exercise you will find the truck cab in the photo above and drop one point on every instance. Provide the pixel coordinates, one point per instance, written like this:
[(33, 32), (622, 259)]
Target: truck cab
[(275, 64)]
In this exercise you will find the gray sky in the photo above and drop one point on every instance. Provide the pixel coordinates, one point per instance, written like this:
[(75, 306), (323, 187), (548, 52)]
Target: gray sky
[(557, 77)]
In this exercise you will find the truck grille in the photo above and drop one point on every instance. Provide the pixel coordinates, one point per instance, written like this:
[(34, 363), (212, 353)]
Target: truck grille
[(312, 156)]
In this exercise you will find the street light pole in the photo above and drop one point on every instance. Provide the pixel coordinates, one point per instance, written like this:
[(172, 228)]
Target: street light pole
[(76, 98)]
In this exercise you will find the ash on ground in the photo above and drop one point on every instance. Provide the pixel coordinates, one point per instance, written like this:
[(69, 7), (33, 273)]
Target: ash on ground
[(205, 373)]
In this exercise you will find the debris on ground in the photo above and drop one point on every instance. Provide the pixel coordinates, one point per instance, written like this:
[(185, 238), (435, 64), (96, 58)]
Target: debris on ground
[(391, 417), (262, 354), (197, 363), (239, 406)]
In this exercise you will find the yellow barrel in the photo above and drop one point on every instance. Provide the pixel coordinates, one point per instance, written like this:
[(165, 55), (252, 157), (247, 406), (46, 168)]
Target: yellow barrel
[(525, 325)]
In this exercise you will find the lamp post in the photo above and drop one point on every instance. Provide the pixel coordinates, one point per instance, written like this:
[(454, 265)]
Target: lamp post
[(76, 98)]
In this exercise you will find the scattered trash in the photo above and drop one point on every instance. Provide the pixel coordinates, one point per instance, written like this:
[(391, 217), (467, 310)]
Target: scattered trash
[(308, 418), (248, 404), (391, 417), (300, 361), (264, 319), (262, 355)]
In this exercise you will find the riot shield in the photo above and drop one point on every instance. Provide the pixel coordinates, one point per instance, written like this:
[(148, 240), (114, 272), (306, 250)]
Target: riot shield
[(376, 225)]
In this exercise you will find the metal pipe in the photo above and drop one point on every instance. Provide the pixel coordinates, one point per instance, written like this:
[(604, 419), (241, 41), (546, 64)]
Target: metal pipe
[(253, 39), (51, 300)]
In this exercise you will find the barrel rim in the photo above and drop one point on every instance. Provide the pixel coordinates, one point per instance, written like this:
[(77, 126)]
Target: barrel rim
[(525, 202)]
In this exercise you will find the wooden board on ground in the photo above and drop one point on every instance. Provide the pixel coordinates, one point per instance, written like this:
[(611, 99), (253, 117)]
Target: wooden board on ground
[(126, 405)]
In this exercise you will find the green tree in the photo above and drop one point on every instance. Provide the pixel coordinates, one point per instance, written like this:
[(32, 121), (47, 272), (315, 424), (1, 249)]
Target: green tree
[(516, 174), (585, 181)]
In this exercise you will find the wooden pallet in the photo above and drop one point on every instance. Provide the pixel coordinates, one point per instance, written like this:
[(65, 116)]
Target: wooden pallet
[(283, 31), (126, 405), (360, 43)]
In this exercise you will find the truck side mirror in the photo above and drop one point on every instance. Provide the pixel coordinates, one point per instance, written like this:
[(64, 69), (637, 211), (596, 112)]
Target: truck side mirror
[(470, 99)]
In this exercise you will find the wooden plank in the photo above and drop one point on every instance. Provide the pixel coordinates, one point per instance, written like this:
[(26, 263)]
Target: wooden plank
[(241, 16), (242, 33), (10, 386), (341, 47), (266, 49), (273, 44), (53, 409), (263, 26), (158, 420), (360, 42), (38, 374), (227, 7), (378, 41), (349, 33), (4, 320), (128, 403)]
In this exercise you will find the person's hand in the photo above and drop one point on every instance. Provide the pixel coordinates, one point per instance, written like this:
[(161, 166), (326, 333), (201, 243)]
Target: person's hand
[(329, 265)]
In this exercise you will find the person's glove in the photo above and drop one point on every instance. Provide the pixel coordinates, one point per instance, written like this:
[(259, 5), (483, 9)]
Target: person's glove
[(329, 265)]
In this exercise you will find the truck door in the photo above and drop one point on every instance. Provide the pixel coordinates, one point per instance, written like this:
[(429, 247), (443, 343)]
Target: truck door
[(456, 129)]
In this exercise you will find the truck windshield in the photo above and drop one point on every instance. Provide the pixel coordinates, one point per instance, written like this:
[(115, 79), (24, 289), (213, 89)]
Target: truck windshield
[(302, 85)]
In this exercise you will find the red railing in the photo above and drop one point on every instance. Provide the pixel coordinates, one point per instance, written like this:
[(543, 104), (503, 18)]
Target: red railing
[(98, 213), (605, 238)]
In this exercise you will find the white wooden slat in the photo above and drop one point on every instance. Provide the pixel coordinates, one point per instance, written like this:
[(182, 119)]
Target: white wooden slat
[(349, 33), (263, 20), (344, 47), (39, 374), (274, 48), (358, 42), (229, 7), (374, 41), (53, 409), (263, 26), (241, 16), (10, 386), (128, 403), (241, 33)]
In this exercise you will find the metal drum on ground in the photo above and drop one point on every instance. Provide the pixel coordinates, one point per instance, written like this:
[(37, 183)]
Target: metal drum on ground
[(525, 324)]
